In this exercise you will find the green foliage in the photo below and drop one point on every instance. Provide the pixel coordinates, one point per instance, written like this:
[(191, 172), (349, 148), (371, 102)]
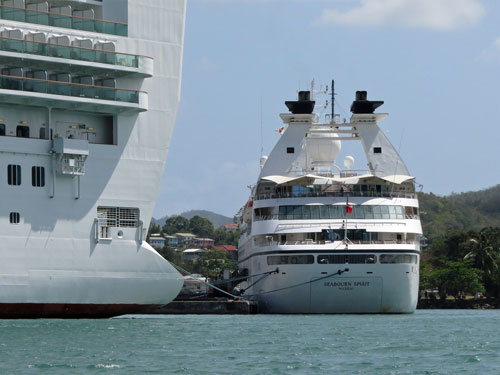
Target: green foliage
[(455, 278), (153, 228), (212, 263), (224, 237), (201, 227), (176, 224), (459, 212)]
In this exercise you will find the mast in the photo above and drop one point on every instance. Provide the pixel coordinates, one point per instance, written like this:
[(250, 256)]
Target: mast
[(333, 100)]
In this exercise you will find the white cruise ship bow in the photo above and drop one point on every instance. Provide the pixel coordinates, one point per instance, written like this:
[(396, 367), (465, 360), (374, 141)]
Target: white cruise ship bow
[(89, 95)]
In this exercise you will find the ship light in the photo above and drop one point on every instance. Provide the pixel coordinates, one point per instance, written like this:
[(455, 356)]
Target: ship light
[(24, 122)]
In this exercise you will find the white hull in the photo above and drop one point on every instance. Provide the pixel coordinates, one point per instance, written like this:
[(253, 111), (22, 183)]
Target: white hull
[(338, 241), (66, 254), (388, 288)]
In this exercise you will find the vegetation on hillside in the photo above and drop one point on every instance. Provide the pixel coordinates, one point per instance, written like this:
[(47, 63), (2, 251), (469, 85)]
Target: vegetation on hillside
[(464, 243)]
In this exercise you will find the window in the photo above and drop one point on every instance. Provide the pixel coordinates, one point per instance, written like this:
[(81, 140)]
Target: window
[(14, 174), (15, 218), (286, 259), (2, 129), (398, 259), (38, 176), (22, 131), (290, 150), (347, 259), (339, 212), (377, 150)]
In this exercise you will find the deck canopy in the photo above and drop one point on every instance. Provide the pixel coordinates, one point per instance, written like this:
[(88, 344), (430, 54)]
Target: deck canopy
[(310, 179)]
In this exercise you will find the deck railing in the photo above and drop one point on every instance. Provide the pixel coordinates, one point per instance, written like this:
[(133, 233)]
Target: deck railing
[(38, 17), (69, 52), (68, 89), (336, 194), (266, 243)]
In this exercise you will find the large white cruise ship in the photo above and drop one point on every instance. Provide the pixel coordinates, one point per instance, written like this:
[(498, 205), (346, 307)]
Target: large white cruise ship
[(89, 95), (320, 239)]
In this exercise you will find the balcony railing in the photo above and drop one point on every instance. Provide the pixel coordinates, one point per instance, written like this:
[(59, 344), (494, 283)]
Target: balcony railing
[(266, 243), (68, 89), (69, 52), (62, 20), (336, 194)]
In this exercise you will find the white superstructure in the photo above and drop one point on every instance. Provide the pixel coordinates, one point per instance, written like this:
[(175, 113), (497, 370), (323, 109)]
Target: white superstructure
[(89, 94), (320, 239)]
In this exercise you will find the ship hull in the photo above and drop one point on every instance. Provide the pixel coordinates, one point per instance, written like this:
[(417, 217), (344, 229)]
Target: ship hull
[(318, 289), (68, 311)]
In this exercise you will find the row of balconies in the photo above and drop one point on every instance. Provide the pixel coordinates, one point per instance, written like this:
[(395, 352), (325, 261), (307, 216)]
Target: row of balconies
[(65, 16), (42, 81), (62, 47)]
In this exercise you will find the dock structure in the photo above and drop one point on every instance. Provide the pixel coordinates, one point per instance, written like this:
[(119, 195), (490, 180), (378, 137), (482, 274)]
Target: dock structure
[(222, 307)]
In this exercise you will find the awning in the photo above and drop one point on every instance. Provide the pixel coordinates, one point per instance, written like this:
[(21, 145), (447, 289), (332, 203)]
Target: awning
[(309, 179)]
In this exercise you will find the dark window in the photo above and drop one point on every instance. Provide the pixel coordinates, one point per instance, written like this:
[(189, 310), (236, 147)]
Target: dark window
[(22, 131), (286, 259), (347, 259), (14, 174), (14, 217), (38, 176), (290, 150), (398, 259), (2, 129), (377, 150)]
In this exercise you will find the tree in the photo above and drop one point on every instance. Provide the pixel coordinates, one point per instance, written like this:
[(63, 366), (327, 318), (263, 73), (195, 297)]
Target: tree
[(153, 228), (201, 227), (456, 278), (484, 250), (211, 263), (176, 224)]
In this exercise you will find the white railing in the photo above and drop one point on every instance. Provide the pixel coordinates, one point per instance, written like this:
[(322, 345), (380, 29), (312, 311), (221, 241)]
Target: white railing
[(369, 194), (266, 243)]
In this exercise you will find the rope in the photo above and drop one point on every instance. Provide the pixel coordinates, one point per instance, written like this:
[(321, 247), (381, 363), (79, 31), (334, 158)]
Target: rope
[(277, 270), (339, 272), (204, 282)]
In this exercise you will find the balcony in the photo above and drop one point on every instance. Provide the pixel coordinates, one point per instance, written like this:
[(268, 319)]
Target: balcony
[(121, 63), (57, 94), (67, 21)]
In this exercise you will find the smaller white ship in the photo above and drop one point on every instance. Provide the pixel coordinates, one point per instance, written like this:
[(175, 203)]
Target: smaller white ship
[(316, 238)]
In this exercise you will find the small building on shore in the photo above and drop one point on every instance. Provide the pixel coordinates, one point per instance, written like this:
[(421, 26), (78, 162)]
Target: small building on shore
[(192, 254)]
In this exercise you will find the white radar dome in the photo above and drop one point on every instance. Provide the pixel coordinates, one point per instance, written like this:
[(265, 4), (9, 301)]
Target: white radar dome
[(322, 148), (349, 162)]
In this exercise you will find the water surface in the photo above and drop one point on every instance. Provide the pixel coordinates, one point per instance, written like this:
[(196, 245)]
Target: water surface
[(427, 342)]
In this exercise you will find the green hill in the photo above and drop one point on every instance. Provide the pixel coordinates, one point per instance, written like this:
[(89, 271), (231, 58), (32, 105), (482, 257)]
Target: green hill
[(459, 212), (216, 219)]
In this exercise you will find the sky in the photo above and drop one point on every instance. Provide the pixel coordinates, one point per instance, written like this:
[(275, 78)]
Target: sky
[(435, 63)]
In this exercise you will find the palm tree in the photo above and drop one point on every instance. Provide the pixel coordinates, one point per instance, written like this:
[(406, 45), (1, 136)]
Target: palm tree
[(485, 250)]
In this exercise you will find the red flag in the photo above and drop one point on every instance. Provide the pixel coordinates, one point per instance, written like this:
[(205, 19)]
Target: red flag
[(348, 207)]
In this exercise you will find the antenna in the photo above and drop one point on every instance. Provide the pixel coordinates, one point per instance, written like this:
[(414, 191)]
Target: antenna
[(333, 100), (261, 131)]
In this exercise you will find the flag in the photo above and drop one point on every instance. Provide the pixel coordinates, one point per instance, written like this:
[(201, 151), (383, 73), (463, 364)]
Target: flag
[(280, 130), (348, 207)]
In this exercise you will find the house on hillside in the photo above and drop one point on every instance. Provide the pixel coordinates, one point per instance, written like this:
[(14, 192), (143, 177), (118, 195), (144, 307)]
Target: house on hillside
[(231, 250), (192, 254), (157, 241), (202, 242), (231, 227), (184, 239), (172, 241)]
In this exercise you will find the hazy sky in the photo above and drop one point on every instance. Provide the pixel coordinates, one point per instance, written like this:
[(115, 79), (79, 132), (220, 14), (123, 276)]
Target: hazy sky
[(435, 63)]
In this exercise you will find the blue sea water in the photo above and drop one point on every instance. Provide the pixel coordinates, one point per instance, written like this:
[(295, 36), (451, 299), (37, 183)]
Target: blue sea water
[(427, 342)]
